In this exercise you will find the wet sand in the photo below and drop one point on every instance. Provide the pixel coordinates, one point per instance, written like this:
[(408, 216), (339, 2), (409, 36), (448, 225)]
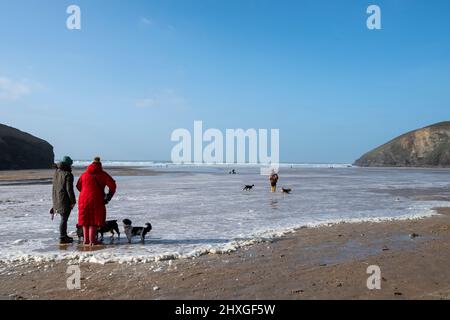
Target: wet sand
[(317, 263), (45, 176)]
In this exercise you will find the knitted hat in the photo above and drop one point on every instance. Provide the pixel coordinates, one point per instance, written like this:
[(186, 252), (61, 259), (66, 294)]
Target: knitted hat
[(67, 161)]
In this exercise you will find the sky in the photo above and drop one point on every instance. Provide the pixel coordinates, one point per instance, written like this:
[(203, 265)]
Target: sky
[(138, 70)]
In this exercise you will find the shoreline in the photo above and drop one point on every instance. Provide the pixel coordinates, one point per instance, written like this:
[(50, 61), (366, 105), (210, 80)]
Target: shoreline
[(45, 176), (327, 262), (231, 247), (36, 174)]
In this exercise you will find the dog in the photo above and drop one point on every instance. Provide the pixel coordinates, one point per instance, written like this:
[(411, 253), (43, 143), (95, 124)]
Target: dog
[(80, 232), (131, 231), (110, 226), (286, 190), (248, 187)]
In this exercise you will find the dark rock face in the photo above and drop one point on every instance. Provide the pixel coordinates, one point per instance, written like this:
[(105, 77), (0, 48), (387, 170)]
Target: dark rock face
[(426, 147), (20, 150)]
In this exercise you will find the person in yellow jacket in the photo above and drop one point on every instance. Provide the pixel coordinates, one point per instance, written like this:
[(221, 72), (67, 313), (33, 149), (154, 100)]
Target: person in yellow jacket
[(273, 180)]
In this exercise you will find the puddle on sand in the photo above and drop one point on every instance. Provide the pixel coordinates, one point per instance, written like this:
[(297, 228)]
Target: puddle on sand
[(357, 250)]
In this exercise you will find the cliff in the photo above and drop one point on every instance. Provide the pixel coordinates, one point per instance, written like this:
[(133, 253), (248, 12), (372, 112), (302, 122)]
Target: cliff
[(426, 147), (20, 150)]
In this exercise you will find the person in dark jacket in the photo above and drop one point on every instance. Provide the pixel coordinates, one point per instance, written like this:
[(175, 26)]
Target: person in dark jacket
[(63, 196)]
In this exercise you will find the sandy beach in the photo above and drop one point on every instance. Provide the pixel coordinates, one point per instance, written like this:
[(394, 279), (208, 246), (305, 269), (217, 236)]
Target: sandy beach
[(315, 263)]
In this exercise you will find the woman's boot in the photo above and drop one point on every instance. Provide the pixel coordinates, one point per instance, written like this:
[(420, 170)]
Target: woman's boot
[(86, 237), (93, 236)]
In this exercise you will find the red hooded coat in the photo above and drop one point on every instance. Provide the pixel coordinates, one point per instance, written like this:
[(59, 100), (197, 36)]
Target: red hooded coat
[(91, 203)]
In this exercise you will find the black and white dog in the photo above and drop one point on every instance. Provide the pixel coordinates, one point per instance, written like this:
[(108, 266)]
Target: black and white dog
[(248, 187), (131, 231)]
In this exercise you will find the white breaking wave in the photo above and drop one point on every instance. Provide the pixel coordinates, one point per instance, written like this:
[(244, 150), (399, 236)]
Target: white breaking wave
[(107, 163), (168, 164), (230, 247)]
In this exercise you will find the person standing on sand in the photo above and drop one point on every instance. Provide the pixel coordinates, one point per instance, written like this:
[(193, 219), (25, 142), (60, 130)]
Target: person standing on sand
[(92, 200), (273, 180), (63, 196)]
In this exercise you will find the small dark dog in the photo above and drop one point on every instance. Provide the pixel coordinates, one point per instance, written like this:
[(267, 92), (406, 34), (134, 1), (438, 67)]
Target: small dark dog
[(110, 226), (79, 232), (131, 231), (286, 190), (248, 187)]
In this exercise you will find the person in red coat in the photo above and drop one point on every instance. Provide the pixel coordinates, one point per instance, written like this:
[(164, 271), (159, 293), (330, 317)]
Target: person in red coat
[(92, 200)]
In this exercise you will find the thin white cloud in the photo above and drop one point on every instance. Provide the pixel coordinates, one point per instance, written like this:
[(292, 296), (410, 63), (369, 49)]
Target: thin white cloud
[(12, 90), (145, 21), (166, 98)]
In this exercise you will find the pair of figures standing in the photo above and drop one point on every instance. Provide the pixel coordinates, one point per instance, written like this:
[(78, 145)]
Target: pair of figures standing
[(92, 200)]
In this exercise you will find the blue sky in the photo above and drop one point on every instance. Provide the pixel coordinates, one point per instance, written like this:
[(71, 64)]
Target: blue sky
[(137, 71)]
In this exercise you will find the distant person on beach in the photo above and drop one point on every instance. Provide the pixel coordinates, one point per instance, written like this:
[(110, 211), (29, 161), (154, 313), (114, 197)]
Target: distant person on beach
[(63, 196), (92, 200), (273, 180)]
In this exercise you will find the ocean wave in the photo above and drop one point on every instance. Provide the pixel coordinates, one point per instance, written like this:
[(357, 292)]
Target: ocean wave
[(163, 164)]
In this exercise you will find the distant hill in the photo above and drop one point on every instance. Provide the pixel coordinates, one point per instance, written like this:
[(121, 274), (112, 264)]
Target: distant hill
[(20, 150), (426, 147)]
